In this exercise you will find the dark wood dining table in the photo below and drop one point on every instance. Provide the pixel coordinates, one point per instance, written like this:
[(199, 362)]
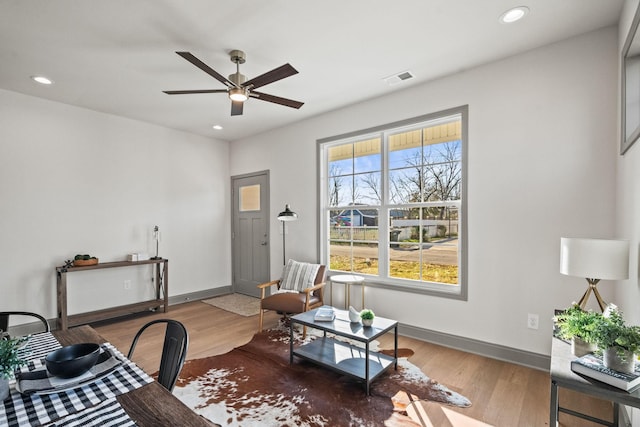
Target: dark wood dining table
[(149, 405)]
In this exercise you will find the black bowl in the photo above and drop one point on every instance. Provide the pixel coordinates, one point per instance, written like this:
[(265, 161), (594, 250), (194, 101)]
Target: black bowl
[(72, 360)]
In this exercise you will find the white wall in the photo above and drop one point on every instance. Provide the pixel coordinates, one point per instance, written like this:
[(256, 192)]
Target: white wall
[(78, 181), (628, 202), (541, 163), (627, 292)]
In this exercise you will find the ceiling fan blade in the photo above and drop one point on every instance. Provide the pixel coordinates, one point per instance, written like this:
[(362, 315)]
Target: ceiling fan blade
[(188, 92), (204, 67), (274, 75), (236, 108), (276, 99)]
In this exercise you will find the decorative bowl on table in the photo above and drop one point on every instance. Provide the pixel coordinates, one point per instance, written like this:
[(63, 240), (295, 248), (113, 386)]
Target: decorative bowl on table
[(84, 260), (72, 360)]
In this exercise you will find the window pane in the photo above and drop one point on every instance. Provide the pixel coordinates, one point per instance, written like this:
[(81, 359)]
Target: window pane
[(406, 175), (250, 198), (440, 259), (365, 258), (341, 160), (365, 240), (340, 241), (442, 172), (441, 133), (339, 257), (425, 249), (404, 186), (367, 156), (404, 261), (444, 152), (366, 221), (340, 191), (404, 245), (353, 240), (367, 189), (341, 218), (405, 148)]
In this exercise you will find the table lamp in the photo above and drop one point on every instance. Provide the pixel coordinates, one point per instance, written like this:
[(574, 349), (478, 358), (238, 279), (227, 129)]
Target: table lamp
[(594, 259), (286, 215)]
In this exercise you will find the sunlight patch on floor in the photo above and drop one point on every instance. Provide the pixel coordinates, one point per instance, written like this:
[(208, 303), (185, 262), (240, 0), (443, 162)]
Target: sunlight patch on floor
[(428, 414)]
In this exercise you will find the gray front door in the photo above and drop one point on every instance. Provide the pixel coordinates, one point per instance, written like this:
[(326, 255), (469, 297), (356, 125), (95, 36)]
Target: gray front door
[(250, 234)]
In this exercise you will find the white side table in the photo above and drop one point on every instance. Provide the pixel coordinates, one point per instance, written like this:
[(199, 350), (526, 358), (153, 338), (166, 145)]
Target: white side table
[(347, 280)]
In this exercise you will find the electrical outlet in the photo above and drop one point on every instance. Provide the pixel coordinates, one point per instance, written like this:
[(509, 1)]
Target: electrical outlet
[(532, 321), (127, 285)]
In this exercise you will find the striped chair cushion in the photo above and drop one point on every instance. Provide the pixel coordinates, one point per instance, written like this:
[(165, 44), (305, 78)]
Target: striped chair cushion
[(298, 276)]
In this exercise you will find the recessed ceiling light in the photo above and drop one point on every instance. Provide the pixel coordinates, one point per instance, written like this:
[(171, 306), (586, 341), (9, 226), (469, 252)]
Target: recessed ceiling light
[(42, 80), (514, 14), (217, 127)]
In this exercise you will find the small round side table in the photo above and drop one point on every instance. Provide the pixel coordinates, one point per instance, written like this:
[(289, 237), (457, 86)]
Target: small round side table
[(347, 280)]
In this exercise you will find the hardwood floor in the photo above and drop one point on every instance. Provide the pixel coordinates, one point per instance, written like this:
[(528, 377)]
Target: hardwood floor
[(502, 393)]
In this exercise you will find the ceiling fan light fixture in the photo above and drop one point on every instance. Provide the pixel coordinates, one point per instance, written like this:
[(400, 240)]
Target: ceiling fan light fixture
[(238, 94), (237, 87)]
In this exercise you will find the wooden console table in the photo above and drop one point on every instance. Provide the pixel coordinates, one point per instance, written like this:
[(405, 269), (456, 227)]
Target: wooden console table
[(162, 284)]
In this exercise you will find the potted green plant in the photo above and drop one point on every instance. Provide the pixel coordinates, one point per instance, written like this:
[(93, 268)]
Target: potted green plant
[(578, 325), (619, 343), (367, 317), (9, 362)]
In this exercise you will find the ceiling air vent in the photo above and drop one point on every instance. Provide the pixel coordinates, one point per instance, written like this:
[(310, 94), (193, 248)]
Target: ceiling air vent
[(397, 78)]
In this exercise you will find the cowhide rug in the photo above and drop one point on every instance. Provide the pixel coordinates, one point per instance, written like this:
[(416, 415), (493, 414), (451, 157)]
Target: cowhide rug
[(254, 385)]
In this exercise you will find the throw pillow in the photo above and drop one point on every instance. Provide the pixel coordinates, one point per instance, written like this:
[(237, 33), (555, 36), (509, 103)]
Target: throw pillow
[(298, 276)]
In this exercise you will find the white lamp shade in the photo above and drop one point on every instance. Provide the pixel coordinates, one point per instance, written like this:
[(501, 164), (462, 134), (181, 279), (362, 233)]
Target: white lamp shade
[(594, 258)]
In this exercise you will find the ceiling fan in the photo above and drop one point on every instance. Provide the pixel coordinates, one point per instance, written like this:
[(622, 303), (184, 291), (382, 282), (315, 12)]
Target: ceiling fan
[(239, 89)]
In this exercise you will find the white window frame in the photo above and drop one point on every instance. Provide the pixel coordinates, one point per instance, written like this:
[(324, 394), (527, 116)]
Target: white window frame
[(459, 291)]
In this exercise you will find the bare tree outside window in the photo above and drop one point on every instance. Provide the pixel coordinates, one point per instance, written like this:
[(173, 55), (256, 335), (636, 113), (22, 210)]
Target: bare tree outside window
[(334, 185)]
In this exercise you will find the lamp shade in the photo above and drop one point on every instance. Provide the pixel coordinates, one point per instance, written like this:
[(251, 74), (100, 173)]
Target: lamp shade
[(287, 214), (594, 258)]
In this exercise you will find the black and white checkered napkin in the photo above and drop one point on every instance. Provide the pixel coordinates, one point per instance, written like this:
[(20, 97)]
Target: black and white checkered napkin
[(39, 409), (40, 380), (38, 346), (106, 414)]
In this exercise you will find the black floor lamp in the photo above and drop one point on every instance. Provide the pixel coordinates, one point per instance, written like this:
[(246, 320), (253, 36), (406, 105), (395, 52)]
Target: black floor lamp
[(285, 216)]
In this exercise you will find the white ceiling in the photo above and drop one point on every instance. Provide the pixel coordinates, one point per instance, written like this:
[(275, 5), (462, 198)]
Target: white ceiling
[(117, 56)]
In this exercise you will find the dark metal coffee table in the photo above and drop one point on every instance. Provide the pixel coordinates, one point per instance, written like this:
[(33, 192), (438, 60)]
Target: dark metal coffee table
[(340, 356)]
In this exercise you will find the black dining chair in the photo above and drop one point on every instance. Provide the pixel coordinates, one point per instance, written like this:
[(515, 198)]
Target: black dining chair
[(174, 350), (5, 317)]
